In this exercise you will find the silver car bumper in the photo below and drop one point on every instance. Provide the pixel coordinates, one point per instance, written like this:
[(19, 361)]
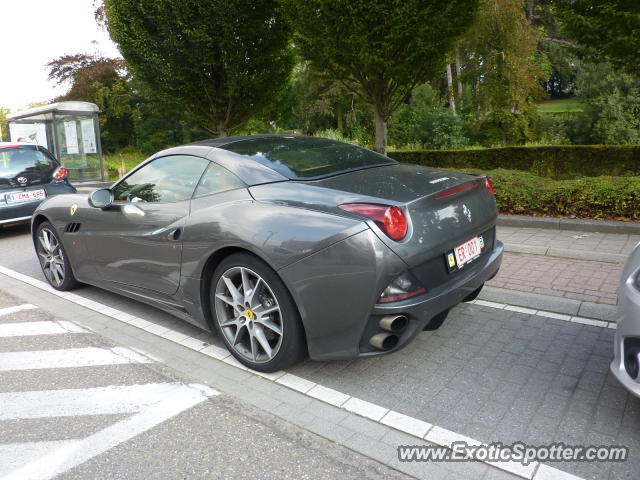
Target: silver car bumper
[(628, 325)]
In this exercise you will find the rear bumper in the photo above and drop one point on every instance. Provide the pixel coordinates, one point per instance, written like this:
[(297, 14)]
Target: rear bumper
[(22, 212), (421, 310)]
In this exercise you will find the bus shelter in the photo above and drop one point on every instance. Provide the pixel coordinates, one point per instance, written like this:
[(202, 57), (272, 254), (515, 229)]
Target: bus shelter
[(70, 130)]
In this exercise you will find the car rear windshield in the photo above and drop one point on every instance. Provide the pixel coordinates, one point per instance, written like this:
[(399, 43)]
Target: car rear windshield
[(16, 159), (307, 157)]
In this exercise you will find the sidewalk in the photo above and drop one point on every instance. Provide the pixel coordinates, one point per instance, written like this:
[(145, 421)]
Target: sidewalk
[(603, 247), (580, 268)]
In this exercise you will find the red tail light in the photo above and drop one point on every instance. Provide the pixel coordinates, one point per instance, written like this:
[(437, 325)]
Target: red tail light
[(390, 220), (489, 185), (60, 173)]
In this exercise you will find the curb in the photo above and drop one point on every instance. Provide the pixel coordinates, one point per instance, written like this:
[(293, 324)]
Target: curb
[(565, 306), (602, 226), (592, 256)]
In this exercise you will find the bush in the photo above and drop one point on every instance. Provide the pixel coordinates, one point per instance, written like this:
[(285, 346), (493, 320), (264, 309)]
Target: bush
[(524, 193), (426, 121), (559, 162)]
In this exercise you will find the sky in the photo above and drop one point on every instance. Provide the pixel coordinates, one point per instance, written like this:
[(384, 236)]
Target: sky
[(34, 32)]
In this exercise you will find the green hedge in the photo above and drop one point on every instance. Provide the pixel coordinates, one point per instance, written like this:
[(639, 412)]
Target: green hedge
[(524, 193), (559, 162)]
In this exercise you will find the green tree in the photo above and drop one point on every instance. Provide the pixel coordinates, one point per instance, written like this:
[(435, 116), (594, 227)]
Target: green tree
[(610, 28), (380, 49), (504, 71), (102, 81), (611, 102), (426, 122), (220, 61)]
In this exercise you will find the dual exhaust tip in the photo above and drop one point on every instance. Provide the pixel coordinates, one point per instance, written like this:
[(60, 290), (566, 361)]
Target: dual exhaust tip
[(394, 325)]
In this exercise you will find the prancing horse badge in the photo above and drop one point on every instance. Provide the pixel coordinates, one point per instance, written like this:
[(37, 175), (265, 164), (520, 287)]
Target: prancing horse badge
[(73, 209)]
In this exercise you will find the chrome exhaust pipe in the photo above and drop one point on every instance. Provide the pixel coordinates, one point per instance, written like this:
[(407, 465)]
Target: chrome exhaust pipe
[(394, 323), (384, 341)]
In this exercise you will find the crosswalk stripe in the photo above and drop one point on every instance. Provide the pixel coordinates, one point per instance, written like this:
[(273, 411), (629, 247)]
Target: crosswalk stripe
[(84, 401), (172, 402), (25, 329), (14, 455), (17, 308), (68, 358)]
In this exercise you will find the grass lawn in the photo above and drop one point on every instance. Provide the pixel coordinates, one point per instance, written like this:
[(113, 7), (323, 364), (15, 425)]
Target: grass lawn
[(568, 105)]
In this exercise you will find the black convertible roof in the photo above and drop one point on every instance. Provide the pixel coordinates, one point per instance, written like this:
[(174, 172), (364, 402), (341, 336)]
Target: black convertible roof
[(219, 142)]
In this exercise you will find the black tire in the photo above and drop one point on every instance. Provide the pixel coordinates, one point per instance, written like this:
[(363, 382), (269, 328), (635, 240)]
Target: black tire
[(436, 322), (60, 279), (291, 344)]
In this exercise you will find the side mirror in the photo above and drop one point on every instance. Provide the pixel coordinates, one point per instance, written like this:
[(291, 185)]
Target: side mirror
[(102, 198)]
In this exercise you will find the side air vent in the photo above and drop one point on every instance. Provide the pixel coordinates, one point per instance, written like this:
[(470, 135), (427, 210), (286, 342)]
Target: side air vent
[(72, 228)]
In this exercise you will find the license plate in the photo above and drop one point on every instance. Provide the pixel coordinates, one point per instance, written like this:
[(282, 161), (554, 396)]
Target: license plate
[(28, 196), (468, 251)]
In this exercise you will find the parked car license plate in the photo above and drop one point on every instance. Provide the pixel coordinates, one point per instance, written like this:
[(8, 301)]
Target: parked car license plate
[(28, 196), (463, 254)]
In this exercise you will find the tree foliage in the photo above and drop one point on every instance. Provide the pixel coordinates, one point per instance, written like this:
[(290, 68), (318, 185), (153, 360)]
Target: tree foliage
[(219, 61), (504, 71), (380, 49), (610, 28), (102, 81)]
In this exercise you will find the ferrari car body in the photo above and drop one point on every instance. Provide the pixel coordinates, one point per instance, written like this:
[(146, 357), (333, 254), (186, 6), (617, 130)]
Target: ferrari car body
[(285, 245)]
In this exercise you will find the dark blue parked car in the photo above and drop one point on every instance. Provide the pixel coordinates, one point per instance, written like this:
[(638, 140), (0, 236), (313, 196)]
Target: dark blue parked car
[(28, 174)]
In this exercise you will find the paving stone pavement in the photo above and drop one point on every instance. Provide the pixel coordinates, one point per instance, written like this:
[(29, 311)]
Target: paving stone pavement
[(559, 277), (566, 239), (496, 375)]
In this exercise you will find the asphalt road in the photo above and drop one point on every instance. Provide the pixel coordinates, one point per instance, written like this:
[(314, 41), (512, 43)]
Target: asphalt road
[(492, 375), (76, 406)]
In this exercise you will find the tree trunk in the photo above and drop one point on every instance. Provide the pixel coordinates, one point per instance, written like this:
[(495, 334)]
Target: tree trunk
[(458, 78), (381, 132), (452, 97), (222, 129)]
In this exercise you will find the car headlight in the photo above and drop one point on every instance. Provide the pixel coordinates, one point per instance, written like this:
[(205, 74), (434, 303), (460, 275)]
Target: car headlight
[(637, 281)]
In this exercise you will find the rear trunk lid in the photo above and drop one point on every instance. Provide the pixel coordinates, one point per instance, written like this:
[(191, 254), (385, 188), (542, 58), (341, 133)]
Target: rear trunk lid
[(444, 209)]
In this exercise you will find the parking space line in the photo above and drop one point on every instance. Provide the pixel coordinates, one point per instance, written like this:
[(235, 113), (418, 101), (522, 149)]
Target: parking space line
[(67, 358), (377, 413), (120, 399), (45, 327), (14, 455), (17, 308), (155, 403)]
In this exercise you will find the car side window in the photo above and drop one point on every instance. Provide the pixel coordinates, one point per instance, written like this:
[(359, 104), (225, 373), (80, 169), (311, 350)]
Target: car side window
[(167, 179), (217, 179)]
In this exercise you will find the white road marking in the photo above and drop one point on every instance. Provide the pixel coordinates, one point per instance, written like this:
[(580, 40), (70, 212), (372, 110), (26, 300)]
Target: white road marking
[(17, 308), (25, 329), (162, 402), (294, 382), (68, 358), (14, 455), (83, 401)]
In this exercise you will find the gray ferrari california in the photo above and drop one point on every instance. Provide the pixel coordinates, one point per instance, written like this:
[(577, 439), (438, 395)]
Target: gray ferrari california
[(285, 245)]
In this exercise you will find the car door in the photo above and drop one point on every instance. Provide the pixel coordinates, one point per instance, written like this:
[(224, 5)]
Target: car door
[(138, 240)]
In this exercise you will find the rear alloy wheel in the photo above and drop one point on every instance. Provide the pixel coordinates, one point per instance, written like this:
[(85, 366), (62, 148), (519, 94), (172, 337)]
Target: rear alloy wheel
[(53, 259), (255, 314)]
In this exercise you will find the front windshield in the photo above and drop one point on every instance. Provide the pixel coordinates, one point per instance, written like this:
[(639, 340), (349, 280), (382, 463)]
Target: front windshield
[(307, 157)]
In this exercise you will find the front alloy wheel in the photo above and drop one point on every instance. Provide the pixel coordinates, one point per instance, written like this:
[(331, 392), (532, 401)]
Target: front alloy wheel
[(53, 260), (255, 315)]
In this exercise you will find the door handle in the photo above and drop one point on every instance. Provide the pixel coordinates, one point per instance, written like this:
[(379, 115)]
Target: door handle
[(175, 234)]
